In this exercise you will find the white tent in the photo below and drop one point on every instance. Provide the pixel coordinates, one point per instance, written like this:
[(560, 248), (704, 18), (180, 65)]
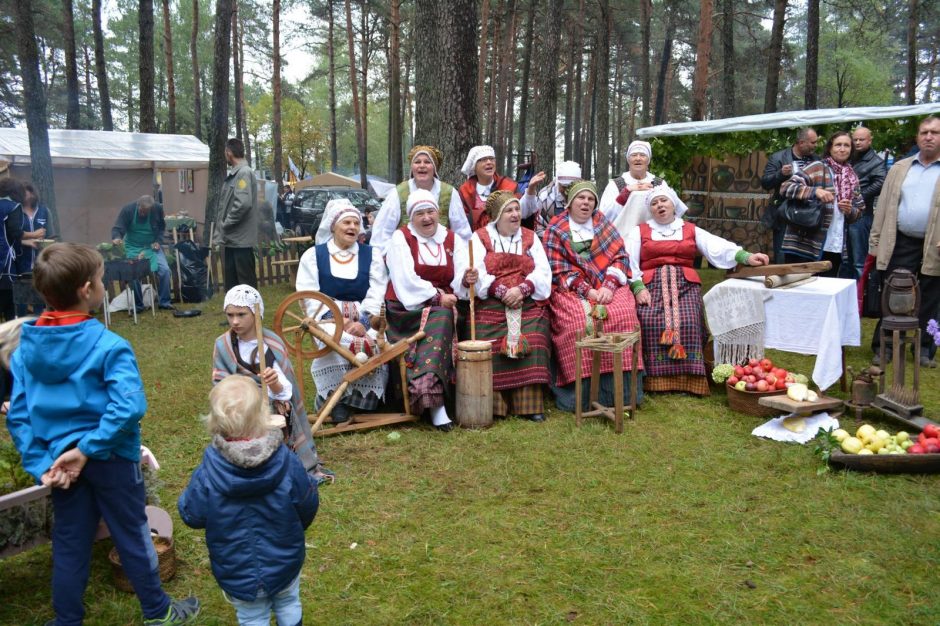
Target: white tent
[(786, 119)]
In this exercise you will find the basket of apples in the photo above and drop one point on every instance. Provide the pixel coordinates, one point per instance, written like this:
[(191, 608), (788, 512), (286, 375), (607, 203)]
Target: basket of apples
[(748, 383)]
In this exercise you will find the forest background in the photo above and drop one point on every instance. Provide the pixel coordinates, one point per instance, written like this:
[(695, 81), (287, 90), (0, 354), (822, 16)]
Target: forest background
[(350, 85)]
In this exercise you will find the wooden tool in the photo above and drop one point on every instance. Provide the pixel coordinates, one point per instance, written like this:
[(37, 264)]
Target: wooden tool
[(259, 335), (473, 326), (787, 280), (811, 267)]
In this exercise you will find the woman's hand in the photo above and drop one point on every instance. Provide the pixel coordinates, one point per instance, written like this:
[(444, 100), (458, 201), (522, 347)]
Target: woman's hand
[(644, 298), (758, 259), (270, 378), (513, 298), (845, 206), (354, 328), (534, 182), (824, 195), (640, 187), (604, 295), (448, 300), (470, 277)]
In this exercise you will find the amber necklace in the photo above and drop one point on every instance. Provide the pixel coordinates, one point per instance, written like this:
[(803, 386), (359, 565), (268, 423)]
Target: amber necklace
[(343, 256)]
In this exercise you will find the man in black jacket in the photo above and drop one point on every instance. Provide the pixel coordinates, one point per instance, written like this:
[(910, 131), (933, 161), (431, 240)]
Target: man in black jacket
[(140, 227), (871, 170), (780, 167)]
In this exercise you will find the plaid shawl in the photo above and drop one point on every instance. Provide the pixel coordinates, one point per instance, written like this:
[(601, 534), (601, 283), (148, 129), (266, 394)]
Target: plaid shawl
[(569, 269)]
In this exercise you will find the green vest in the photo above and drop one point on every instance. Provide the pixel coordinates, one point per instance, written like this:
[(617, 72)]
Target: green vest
[(443, 202)]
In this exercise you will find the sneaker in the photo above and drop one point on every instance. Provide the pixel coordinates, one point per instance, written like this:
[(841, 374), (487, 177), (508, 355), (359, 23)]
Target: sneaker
[(323, 475), (926, 361), (180, 612)]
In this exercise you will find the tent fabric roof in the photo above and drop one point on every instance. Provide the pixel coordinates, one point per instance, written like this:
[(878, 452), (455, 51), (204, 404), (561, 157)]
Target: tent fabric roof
[(786, 119), (328, 179), (108, 149)]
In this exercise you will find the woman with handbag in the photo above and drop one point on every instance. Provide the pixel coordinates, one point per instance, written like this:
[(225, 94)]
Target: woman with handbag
[(822, 199)]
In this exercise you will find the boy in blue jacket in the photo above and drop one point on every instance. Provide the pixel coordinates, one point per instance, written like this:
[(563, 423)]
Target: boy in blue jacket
[(75, 417), (254, 498)]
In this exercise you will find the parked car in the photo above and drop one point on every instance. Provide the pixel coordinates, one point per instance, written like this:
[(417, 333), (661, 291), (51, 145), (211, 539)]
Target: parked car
[(306, 210)]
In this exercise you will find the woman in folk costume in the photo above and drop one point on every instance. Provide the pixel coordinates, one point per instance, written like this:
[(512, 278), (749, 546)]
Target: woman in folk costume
[(236, 352), (624, 198), (512, 290), (551, 200), (482, 180), (668, 291), (420, 296), (425, 165), (354, 276), (589, 273)]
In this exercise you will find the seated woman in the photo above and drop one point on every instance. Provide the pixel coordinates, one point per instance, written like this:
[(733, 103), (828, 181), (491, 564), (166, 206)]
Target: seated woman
[(668, 291), (589, 271), (513, 286), (420, 296), (832, 181), (236, 352), (354, 276)]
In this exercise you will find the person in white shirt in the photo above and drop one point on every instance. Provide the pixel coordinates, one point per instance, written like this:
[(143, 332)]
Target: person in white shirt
[(549, 201), (668, 291), (624, 199), (354, 276)]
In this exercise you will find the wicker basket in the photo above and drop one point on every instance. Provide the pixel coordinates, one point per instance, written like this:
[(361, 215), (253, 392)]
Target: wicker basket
[(746, 401), (166, 563)]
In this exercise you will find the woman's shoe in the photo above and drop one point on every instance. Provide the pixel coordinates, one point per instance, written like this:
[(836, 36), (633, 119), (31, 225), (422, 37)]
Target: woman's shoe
[(534, 417), (445, 428)]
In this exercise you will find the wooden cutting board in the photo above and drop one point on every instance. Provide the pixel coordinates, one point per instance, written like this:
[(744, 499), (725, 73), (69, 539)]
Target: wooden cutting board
[(810, 267), (787, 405)]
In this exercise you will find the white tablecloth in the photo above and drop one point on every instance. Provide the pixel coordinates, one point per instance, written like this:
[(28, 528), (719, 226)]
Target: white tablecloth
[(817, 317)]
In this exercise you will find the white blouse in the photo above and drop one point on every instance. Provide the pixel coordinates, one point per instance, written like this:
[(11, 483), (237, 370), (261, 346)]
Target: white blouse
[(245, 348), (541, 275), (388, 219), (412, 290), (719, 252), (308, 276), (634, 212)]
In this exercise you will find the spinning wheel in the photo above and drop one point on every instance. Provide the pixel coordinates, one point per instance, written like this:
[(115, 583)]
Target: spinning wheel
[(299, 325)]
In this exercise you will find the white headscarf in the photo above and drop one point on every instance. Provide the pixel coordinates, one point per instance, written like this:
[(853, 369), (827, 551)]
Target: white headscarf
[(568, 172), (667, 191), (335, 211), (643, 147), (476, 153), (421, 199), (243, 295)]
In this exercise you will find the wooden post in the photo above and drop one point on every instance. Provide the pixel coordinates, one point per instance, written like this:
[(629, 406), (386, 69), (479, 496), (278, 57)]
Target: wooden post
[(179, 271), (473, 325)]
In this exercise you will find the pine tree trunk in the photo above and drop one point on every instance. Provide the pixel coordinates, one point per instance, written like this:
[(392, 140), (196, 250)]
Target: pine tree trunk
[(773, 56), (331, 53), (239, 44), (168, 52), (504, 92), (194, 58), (364, 87), (89, 112), (664, 62), (646, 19), (577, 139), (355, 96), (526, 68), (428, 96), (587, 130), (703, 51), (34, 100), (218, 123), (148, 117), (602, 96), (484, 51), (910, 84), (237, 71), (570, 97), (727, 58), (278, 164), (407, 112), (73, 116), (812, 55), (494, 72), (101, 73), (394, 93), (509, 109)]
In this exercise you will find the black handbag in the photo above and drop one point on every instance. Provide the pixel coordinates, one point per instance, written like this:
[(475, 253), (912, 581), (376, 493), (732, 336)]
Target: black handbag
[(871, 296), (805, 214)]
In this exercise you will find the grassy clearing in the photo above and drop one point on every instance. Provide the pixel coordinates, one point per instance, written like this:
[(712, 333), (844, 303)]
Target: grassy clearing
[(685, 519)]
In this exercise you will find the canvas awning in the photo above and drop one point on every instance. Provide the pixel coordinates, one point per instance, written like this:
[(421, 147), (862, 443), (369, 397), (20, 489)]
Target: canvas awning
[(786, 119), (101, 149), (328, 179)]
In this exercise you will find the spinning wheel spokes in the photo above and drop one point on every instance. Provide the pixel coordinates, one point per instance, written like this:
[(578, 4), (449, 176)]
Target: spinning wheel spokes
[(314, 350)]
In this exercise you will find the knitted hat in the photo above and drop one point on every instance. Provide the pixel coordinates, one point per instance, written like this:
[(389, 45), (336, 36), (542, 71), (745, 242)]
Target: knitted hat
[(421, 199), (579, 186), (660, 191), (435, 155), (497, 203), (243, 295), (568, 172), (643, 147), (335, 211), (476, 153)]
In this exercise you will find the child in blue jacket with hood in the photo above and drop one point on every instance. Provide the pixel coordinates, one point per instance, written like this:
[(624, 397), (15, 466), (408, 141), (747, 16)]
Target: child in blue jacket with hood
[(254, 498), (74, 416)]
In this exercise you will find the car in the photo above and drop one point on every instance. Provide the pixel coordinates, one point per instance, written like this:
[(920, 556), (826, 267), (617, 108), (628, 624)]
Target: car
[(308, 205)]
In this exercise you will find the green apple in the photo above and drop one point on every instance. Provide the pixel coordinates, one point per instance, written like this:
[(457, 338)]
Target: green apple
[(865, 451), (851, 445), (903, 436), (840, 434), (740, 385), (883, 434), (865, 431), (884, 451)]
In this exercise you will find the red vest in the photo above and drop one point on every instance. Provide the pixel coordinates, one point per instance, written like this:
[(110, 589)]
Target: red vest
[(438, 275), (654, 254), (507, 268), (473, 207)]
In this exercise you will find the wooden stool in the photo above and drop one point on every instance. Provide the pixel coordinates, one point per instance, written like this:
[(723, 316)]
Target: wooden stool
[(614, 343)]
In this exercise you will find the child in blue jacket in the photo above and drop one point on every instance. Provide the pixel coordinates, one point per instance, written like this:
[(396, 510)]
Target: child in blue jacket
[(254, 498), (75, 417)]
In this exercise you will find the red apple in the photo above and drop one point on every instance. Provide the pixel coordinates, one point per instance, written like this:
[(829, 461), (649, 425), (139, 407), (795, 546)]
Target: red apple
[(748, 370), (771, 379), (932, 431), (732, 380), (762, 385), (759, 371), (931, 441), (780, 384), (932, 448), (751, 379), (767, 364), (779, 372), (921, 438), (916, 449), (738, 371), (753, 362), (750, 387)]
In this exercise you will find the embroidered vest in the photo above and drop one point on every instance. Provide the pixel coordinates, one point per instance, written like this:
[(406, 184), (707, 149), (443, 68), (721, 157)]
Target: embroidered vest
[(438, 275), (508, 268), (443, 202), (655, 254), (344, 289)]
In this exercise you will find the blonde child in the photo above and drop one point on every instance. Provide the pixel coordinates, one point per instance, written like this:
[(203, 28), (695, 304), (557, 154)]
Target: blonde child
[(255, 500)]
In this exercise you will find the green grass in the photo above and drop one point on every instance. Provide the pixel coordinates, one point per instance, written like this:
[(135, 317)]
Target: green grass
[(684, 519)]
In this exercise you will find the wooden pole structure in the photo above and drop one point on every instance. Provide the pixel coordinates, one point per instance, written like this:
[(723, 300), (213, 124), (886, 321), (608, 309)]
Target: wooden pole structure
[(473, 325), (209, 257), (259, 335), (179, 270)]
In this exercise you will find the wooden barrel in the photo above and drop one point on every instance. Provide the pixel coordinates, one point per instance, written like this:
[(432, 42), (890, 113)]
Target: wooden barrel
[(474, 384)]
